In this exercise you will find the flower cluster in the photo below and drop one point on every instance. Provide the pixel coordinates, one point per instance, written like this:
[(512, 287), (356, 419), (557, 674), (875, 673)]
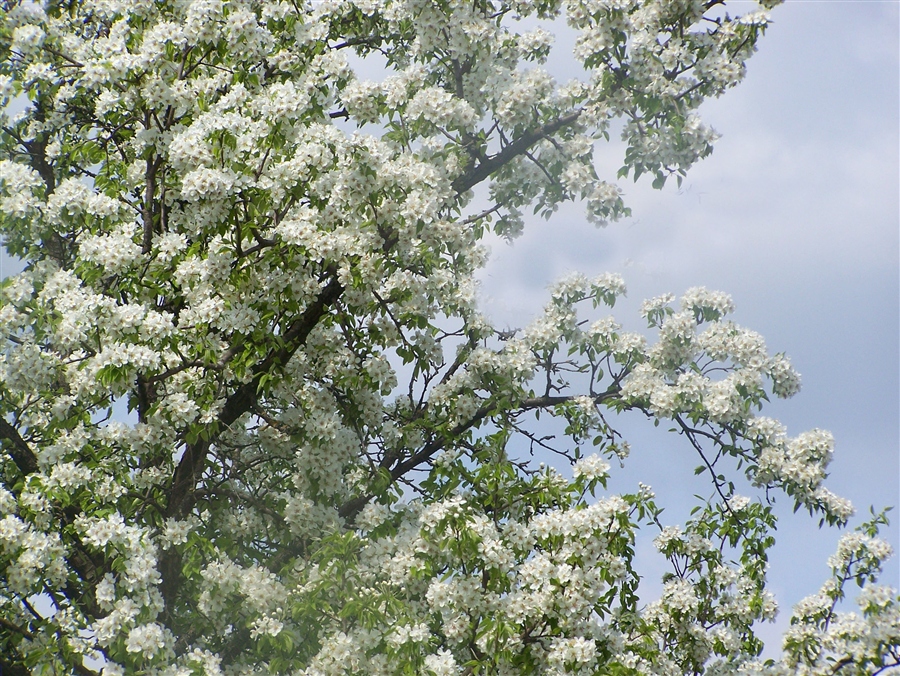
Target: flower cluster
[(822, 640)]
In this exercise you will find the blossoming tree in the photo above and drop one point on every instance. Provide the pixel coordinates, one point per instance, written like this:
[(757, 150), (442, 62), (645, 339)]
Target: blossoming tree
[(329, 462)]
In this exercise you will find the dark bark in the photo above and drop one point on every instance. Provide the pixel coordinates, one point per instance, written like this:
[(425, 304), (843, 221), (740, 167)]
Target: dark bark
[(475, 175), (182, 494), (19, 451)]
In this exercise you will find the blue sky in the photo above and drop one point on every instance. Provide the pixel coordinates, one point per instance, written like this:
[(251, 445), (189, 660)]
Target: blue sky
[(796, 215)]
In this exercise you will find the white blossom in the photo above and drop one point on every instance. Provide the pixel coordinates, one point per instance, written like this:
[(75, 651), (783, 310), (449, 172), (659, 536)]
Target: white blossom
[(253, 418)]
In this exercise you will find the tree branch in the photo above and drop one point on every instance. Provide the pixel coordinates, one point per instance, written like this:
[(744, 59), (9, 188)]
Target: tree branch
[(352, 507), (481, 171), (12, 669), (6, 624), (20, 452), (182, 493), (245, 397)]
